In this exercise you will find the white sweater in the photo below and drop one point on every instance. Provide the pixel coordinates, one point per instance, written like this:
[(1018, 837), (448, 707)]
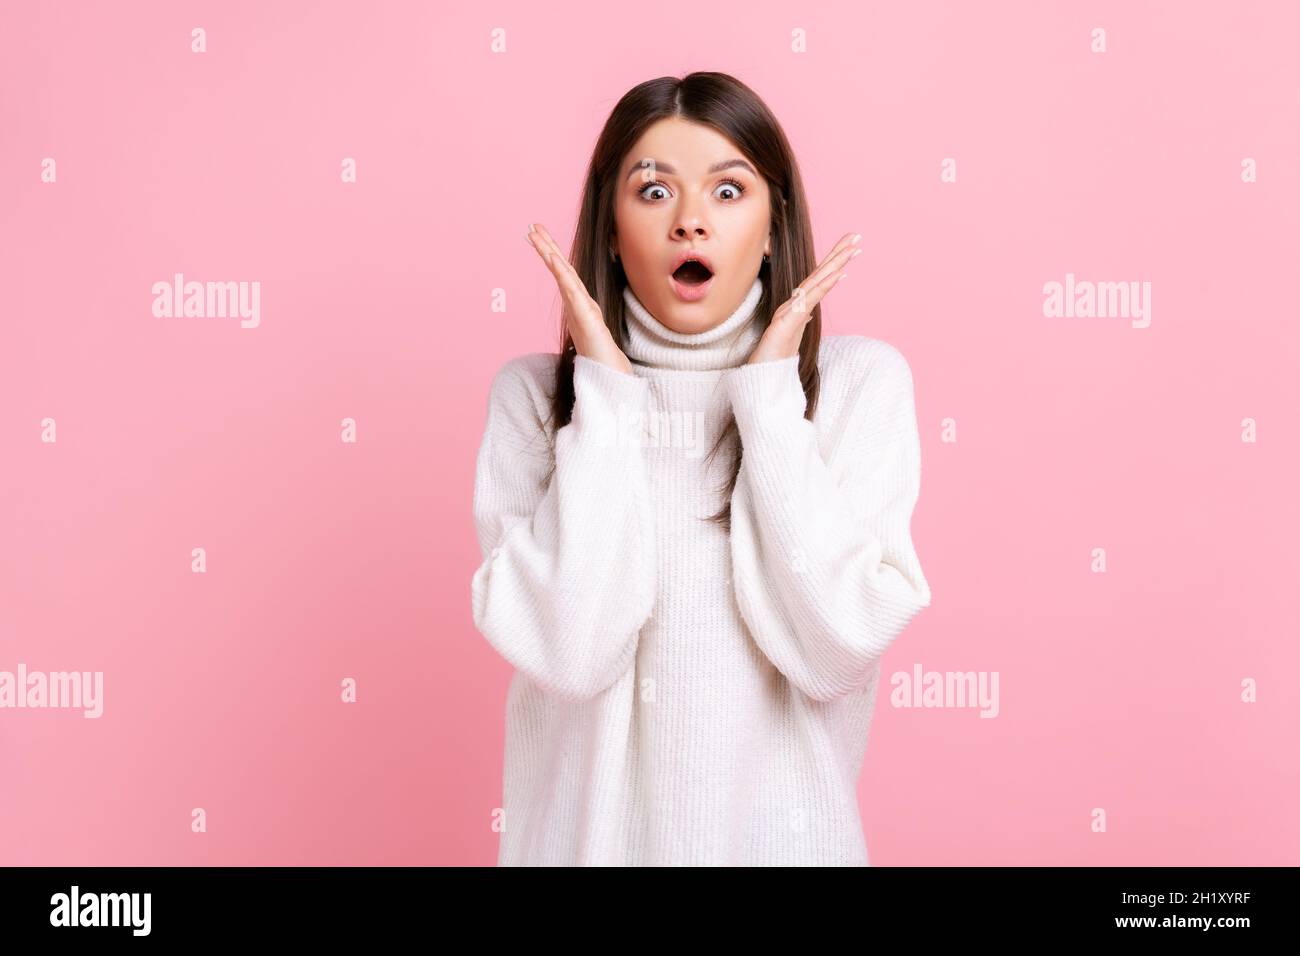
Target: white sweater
[(683, 696)]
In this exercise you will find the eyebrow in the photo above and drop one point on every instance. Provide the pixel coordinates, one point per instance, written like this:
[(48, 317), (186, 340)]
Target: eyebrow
[(672, 171)]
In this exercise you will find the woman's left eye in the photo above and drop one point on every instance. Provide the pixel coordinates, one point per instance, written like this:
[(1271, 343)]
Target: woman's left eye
[(733, 186)]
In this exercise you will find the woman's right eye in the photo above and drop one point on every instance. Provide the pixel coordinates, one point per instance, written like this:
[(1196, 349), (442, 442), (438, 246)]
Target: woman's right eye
[(649, 186)]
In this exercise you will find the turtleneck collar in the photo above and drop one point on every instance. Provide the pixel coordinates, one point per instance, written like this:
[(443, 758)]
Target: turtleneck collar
[(727, 345)]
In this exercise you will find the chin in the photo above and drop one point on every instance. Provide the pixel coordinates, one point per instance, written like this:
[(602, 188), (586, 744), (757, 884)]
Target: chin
[(685, 319)]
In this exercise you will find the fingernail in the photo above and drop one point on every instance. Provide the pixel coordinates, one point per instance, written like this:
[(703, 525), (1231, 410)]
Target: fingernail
[(856, 237), (856, 253)]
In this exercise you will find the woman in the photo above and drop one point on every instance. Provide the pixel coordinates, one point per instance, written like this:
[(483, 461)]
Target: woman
[(697, 637)]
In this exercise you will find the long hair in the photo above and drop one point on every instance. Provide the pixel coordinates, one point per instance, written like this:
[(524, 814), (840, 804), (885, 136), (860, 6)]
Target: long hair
[(724, 103)]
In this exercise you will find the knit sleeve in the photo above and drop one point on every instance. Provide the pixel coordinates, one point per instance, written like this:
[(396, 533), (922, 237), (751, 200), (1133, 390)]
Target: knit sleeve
[(567, 577), (826, 575)]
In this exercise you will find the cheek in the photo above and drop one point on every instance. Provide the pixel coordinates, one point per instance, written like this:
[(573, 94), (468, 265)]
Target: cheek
[(631, 221), (753, 224)]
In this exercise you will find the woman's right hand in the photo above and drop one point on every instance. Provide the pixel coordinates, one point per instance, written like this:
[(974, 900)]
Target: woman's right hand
[(586, 324)]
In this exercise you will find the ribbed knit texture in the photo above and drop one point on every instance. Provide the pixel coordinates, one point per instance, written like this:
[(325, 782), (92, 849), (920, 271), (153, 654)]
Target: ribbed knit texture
[(653, 344), (683, 696)]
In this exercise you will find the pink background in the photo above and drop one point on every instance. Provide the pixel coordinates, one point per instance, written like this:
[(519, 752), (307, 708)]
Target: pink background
[(328, 560)]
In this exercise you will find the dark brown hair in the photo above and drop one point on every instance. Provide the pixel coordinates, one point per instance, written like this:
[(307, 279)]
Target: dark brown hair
[(734, 110)]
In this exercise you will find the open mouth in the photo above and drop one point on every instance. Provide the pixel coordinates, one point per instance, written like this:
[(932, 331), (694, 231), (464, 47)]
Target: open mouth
[(692, 273)]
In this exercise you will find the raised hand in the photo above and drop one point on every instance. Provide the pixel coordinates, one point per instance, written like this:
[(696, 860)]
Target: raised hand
[(585, 323), (782, 336)]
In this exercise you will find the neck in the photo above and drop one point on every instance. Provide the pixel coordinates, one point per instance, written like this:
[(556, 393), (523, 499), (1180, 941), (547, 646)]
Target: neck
[(727, 345)]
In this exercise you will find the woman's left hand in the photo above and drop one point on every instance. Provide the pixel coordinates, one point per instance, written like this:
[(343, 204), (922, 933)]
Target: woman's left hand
[(782, 337)]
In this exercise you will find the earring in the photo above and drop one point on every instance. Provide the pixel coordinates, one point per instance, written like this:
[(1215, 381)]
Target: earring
[(613, 256), (766, 257)]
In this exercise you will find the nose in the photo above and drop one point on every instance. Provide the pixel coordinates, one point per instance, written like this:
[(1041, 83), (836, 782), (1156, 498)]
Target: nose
[(690, 223)]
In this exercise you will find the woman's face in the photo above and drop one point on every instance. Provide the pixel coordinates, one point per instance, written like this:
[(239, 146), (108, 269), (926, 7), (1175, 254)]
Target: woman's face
[(684, 187)]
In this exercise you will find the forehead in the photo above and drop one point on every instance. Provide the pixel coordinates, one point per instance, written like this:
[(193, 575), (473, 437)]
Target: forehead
[(688, 148)]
